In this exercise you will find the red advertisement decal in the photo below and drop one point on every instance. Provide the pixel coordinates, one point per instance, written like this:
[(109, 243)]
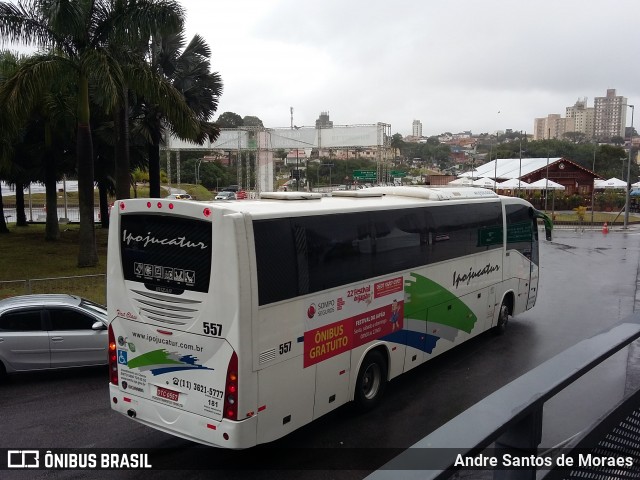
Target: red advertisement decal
[(377, 323), (388, 287), (326, 342)]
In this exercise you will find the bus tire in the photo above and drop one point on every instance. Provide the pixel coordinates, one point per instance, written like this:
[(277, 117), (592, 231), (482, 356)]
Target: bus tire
[(371, 381), (503, 319)]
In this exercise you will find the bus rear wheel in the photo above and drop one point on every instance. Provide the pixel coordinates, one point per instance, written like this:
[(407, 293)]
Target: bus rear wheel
[(503, 319), (371, 382)]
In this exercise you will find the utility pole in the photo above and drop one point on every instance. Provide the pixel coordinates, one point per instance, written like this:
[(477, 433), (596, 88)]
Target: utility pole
[(627, 204)]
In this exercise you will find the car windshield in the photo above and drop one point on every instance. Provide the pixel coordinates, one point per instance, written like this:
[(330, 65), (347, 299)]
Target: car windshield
[(95, 307)]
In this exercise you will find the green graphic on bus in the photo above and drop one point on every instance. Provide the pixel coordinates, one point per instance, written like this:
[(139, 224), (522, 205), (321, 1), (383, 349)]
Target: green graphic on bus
[(425, 297)]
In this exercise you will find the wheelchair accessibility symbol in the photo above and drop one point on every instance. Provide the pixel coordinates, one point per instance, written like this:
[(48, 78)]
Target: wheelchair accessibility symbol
[(122, 357)]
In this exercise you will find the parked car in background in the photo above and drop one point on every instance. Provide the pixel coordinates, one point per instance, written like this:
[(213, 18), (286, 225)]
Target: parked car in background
[(231, 188), (241, 194), (224, 195), (51, 331), (179, 196)]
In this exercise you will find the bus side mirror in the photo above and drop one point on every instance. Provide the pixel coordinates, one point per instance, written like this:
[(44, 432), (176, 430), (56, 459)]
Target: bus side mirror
[(548, 223)]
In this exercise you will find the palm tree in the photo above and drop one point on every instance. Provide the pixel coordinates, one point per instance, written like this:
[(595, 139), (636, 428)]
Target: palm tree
[(76, 35), (189, 72), (47, 119), (141, 81), (8, 61)]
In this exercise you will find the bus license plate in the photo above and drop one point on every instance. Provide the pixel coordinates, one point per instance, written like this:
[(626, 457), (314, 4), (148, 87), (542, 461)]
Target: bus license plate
[(168, 394)]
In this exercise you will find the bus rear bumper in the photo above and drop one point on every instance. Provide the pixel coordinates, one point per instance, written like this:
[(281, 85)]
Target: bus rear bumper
[(187, 425)]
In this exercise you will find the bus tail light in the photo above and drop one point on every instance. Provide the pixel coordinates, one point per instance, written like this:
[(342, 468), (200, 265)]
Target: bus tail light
[(113, 357), (231, 389)]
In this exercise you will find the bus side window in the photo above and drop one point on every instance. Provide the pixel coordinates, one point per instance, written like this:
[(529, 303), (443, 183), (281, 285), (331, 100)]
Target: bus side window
[(397, 237), (275, 260), (339, 249)]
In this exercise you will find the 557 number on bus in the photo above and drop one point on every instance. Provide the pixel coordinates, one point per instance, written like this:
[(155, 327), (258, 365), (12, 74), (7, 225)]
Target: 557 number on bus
[(213, 329)]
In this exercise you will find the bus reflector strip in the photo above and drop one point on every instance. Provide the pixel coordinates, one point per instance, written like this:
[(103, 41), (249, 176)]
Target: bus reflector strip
[(212, 427), (164, 332), (126, 399), (263, 407), (342, 372)]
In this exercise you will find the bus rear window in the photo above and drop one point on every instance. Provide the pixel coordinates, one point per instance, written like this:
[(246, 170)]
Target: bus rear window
[(168, 253)]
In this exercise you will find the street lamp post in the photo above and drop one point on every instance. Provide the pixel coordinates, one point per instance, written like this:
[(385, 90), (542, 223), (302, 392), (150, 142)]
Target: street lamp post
[(593, 186), (546, 183), (520, 167), (628, 196), (495, 167), (198, 162)]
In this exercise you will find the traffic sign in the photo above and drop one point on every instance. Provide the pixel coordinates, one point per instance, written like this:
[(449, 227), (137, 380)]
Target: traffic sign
[(365, 174), (398, 173)]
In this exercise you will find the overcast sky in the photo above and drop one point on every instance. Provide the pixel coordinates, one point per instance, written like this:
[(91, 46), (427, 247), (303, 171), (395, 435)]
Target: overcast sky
[(454, 65)]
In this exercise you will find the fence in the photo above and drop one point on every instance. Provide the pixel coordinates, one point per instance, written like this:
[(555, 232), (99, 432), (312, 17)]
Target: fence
[(91, 287), (38, 213)]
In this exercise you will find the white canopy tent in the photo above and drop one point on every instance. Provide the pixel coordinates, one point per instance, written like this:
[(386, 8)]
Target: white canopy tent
[(512, 184), (471, 174), (613, 183), (485, 182), (545, 184), (462, 181)]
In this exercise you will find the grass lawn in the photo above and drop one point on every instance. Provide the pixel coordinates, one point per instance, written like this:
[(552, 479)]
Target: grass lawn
[(26, 256), (598, 218)]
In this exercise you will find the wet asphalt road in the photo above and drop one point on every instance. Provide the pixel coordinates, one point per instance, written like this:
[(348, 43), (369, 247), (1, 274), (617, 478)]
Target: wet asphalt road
[(588, 284)]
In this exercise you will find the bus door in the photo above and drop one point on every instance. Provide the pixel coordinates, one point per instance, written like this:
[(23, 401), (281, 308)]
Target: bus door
[(522, 253), (535, 266)]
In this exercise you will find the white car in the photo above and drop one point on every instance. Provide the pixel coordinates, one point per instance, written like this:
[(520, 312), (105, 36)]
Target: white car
[(225, 196), (179, 196)]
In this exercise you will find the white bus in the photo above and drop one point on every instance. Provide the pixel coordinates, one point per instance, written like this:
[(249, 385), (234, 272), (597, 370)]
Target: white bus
[(234, 323)]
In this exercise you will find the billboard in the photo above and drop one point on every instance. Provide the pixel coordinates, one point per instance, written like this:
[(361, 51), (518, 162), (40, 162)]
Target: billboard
[(284, 138)]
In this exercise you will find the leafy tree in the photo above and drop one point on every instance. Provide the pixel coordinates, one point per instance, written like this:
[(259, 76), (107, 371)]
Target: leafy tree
[(229, 120), (250, 121), (397, 141), (575, 137)]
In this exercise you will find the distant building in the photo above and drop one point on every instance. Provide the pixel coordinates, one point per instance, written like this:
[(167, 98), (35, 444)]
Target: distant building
[(416, 129), (323, 121), (553, 126), (606, 119), (583, 117), (573, 177), (610, 115)]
